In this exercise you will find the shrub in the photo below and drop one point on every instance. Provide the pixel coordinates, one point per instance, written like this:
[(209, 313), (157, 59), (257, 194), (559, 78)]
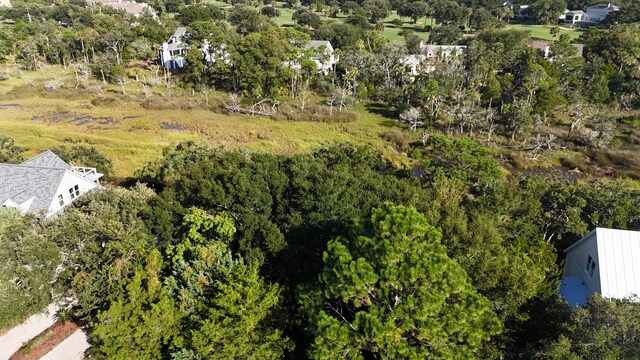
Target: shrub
[(89, 156), (397, 138), (163, 103), (53, 85), (577, 161), (629, 123), (314, 113), (625, 163), (461, 158)]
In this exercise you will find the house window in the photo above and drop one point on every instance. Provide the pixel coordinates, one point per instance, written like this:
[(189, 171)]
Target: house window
[(61, 200), (74, 192), (591, 266)]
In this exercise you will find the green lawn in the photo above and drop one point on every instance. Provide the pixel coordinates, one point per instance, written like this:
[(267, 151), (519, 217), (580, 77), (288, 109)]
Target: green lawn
[(391, 32), (543, 31)]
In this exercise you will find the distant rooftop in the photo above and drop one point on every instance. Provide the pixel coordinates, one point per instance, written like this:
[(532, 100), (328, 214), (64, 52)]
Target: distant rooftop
[(604, 6), (130, 7)]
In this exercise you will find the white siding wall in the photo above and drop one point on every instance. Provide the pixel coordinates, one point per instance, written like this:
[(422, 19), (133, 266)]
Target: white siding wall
[(620, 268), (69, 180), (577, 261)]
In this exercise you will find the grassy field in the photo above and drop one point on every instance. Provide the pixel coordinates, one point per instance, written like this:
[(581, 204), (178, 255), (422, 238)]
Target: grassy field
[(390, 31), (543, 31), (131, 135)]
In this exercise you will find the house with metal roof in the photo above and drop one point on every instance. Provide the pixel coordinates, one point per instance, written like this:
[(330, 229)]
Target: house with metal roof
[(605, 261), (44, 184)]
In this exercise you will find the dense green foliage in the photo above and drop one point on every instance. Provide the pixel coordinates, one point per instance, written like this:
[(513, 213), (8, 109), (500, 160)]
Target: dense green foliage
[(603, 329), (28, 262), (225, 259), (389, 290), (9, 151), (89, 156), (337, 253)]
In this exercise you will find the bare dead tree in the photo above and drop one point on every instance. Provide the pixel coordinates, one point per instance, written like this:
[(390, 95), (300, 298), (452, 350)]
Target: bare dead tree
[(411, 117), (146, 91), (541, 144), (582, 114), (82, 73), (233, 103), (97, 90), (264, 107), (122, 82), (331, 101), (53, 85), (193, 103), (303, 95), (205, 89)]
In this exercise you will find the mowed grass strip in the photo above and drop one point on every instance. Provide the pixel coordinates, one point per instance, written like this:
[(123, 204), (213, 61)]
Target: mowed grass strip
[(544, 32)]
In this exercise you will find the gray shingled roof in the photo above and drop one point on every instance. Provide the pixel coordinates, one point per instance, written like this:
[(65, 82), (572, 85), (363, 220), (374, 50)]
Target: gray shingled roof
[(47, 159), (319, 43), (38, 178)]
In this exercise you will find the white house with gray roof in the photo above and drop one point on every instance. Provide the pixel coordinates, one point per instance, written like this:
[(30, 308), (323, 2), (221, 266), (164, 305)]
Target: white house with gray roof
[(605, 261), (44, 184), (324, 58), (173, 51)]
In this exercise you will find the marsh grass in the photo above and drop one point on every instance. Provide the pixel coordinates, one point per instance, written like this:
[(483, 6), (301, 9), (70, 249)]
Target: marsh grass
[(130, 134)]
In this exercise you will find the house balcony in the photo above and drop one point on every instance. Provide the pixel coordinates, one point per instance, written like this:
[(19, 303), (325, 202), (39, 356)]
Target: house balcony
[(88, 173)]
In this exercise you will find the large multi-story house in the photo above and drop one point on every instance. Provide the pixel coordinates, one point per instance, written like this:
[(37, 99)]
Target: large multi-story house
[(594, 15), (44, 184), (430, 55), (131, 7), (172, 53)]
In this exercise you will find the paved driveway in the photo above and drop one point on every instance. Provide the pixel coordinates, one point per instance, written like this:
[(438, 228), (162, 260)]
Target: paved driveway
[(13, 339), (72, 348)]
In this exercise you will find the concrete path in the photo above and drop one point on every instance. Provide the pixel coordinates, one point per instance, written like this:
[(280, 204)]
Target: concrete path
[(72, 348), (13, 339)]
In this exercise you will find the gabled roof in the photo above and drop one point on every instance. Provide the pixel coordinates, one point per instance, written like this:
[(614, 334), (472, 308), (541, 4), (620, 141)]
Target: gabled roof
[(46, 159), (605, 233), (609, 6), (317, 44), (180, 31), (20, 183), (32, 186)]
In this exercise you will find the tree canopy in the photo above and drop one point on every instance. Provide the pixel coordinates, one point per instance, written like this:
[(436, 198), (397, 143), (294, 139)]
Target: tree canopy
[(390, 290)]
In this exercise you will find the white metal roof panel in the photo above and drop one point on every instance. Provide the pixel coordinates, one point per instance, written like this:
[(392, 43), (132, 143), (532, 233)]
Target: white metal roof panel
[(619, 262)]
